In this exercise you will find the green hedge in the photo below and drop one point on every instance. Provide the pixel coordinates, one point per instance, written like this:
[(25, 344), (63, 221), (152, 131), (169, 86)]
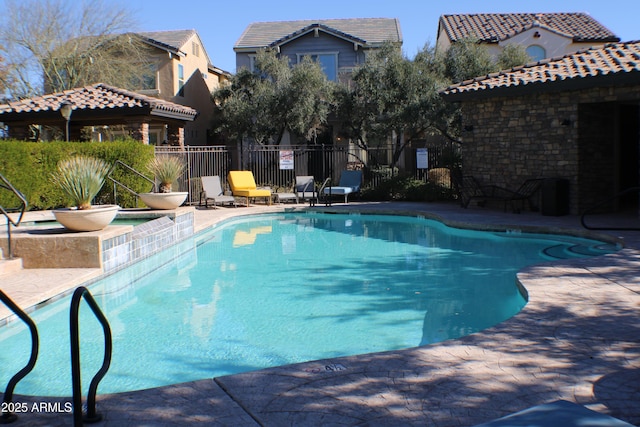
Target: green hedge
[(405, 188), (29, 165)]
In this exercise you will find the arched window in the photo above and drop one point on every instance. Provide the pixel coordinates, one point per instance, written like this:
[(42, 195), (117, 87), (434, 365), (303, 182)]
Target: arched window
[(536, 52)]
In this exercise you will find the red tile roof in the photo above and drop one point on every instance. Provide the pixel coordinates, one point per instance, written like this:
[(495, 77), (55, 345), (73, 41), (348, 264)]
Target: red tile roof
[(495, 27), (98, 97), (610, 64)]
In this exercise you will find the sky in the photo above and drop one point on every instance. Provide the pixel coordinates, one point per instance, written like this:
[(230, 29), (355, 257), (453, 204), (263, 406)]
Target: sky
[(220, 24)]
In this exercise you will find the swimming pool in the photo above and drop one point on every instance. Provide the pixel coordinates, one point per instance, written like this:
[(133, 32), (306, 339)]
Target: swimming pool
[(283, 288)]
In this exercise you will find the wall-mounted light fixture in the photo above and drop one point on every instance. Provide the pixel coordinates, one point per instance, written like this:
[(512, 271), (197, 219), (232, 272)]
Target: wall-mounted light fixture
[(66, 109), (536, 35)]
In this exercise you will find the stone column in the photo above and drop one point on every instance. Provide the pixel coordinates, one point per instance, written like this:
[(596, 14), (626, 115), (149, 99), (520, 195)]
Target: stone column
[(139, 131), (175, 135)]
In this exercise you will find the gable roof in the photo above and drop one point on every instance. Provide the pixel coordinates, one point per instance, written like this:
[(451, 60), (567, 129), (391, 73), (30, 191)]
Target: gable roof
[(95, 97), (364, 31), (496, 27), (171, 41), (614, 63), (174, 40)]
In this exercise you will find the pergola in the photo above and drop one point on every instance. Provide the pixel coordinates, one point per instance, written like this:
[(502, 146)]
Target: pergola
[(98, 105)]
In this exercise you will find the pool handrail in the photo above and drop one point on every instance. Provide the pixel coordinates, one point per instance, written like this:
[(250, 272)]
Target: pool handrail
[(9, 417), (92, 416), (23, 207), (130, 169)]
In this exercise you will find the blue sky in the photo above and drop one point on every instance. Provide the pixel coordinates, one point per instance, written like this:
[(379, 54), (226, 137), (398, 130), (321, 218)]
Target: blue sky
[(220, 24)]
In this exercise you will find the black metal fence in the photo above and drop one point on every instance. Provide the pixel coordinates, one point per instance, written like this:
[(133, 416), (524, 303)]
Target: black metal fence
[(277, 166)]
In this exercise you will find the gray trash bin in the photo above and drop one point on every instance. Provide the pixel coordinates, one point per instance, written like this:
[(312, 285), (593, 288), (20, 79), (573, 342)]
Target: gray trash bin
[(555, 197)]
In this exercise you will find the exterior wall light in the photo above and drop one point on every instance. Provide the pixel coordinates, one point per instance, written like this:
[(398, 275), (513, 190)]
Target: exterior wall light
[(66, 109)]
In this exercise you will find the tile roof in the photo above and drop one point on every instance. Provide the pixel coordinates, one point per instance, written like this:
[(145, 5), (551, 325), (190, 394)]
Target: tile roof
[(174, 40), (369, 31), (495, 27), (609, 64), (97, 97), (171, 40)]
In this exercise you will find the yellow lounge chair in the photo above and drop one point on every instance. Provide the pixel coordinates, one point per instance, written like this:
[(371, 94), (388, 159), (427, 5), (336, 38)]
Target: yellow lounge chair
[(243, 185)]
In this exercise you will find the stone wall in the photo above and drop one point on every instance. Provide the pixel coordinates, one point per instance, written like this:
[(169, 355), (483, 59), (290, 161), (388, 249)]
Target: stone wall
[(507, 140)]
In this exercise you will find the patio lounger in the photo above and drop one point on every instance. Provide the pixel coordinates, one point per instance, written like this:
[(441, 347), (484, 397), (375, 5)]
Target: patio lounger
[(469, 189), (243, 184), (349, 183), (284, 196), (525, 194), (212, 190)]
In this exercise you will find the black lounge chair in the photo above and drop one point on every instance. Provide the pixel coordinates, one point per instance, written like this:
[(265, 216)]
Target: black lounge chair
[(469, 189)]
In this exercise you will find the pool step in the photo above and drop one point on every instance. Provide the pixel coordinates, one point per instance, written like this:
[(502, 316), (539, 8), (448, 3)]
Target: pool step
[(568, 251), (9, 265)]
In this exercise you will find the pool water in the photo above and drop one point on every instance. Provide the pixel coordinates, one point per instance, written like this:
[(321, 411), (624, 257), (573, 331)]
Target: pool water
[(271, 290)]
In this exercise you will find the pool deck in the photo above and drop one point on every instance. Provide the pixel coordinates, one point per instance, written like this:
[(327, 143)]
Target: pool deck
[(577, 339)]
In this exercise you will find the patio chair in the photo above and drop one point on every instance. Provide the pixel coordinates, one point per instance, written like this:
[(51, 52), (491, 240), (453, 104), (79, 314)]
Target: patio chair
[(243, 184), (305, 189), (349, 183), (212, 190), (288, 195)]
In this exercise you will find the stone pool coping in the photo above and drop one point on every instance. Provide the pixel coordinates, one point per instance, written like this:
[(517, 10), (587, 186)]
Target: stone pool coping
[(577, 339)]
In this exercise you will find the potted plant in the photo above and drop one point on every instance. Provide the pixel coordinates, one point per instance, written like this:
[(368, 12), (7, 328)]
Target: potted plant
[(166, 170), (80, 178)]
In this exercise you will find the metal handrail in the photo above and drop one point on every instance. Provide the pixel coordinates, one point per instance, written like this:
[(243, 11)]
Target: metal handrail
[(116, 182), (9, 417), (620, 194), (92, 416), (4, 183)]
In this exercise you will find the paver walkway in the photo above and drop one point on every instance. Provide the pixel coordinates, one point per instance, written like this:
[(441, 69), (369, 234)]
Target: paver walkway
[(577, 339)]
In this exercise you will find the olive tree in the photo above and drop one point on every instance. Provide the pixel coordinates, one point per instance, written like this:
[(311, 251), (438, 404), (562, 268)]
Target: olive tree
[(391, 97), (512, 55), (274, 98)]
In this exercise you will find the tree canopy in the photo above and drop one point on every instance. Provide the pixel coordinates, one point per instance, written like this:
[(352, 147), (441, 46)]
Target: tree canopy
[(53, 45), (391, 96), (274, 98)]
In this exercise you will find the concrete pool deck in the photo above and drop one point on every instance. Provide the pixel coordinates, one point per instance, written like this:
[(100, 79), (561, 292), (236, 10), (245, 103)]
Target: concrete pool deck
[(577, 339)]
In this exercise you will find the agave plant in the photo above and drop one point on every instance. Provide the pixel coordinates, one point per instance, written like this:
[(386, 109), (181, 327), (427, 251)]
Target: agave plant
[(166, 169), (81, 178)]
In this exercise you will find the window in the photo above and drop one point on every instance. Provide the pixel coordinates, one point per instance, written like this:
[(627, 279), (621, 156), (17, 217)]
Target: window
[(536, 52), (328, 62), (195, 48), (180, 80)]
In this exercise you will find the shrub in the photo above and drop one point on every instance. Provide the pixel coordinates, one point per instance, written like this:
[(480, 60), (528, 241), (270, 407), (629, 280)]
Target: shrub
[(405, 188), (29, 166)]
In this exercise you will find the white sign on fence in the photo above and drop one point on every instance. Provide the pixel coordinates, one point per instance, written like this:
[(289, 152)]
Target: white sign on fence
[(422, 158), (286, 159)]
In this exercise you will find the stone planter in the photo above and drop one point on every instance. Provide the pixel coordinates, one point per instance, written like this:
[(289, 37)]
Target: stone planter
[(163, 200), (96, 218)]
